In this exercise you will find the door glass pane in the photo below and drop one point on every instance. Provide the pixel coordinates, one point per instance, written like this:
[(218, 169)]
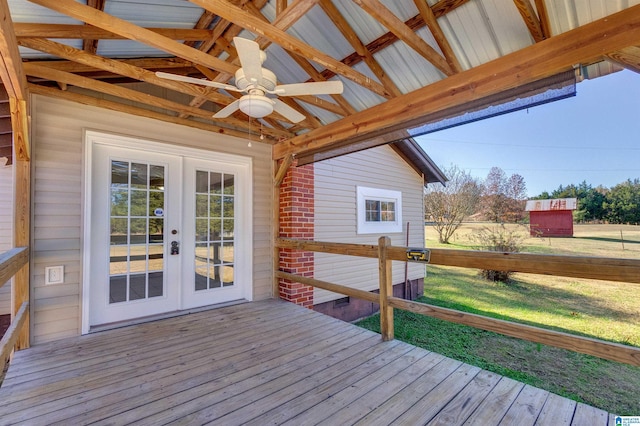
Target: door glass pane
[(215, 216), (137, 208), (117, 289), (137, 287), (139, 176)]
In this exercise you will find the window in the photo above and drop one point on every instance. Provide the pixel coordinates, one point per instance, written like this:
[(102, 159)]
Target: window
[(379, 210)]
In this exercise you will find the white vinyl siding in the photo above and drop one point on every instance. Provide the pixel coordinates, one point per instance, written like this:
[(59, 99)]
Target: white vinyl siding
[(336, 181), (58, 139), (6, 229)]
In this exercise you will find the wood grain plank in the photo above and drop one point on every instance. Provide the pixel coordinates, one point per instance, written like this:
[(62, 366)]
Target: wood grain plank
[(411, 394), (227, 396), (139, 348), (125, 399), (467, 400), (144, 372), (496, 404), (557, 411), (357, 401), (431, 403), (526, 407), (588, 415)]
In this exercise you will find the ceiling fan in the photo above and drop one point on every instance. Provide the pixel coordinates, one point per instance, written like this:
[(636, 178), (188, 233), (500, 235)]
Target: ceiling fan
[(257, 82)]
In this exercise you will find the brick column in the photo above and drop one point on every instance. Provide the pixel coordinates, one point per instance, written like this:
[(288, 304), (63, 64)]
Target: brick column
[(296, 221)]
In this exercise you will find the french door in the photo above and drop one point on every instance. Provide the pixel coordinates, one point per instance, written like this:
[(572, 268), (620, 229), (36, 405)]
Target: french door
[(168, 232)]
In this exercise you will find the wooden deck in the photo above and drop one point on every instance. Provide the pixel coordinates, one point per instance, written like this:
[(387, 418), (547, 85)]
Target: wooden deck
[(264, 363)]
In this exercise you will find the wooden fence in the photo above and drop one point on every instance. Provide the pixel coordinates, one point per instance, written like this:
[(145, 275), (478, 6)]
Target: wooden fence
[(11, 262), (625, 270)]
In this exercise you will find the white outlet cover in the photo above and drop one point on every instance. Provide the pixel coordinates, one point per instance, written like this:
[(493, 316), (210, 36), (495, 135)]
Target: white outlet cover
[(54, 274)]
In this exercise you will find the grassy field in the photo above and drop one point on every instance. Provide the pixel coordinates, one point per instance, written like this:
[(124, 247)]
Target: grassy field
[(600, 309)]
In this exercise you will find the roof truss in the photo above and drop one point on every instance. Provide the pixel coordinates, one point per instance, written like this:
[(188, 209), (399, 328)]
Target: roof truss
[(206, 50)]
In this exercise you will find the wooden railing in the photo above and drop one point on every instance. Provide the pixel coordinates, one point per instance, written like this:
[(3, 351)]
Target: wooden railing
[(11, 262), (625, 270)]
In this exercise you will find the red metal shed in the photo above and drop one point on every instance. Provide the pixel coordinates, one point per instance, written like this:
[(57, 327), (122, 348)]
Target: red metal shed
[(551, 218)]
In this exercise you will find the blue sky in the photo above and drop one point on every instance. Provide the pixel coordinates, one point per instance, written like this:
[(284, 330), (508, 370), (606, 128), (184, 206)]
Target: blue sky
[(593, 137)]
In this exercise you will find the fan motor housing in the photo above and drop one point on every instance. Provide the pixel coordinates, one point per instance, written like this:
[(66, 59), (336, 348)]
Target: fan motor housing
[(268, 80)]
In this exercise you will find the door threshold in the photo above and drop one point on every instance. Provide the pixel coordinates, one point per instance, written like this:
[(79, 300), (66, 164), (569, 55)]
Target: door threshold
[(156, 317)]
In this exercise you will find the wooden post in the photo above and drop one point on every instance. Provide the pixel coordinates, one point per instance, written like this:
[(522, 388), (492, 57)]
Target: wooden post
[(22, 210), (386, 289)]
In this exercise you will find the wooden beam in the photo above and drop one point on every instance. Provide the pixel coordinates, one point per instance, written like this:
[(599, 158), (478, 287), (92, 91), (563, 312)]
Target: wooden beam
[(439, 9), (596, 268), (90, 45), (11, 261), (628, 58), (530, 19), (122, 68), (383, 15), (347, 31), (134, 32), (254, 24), (282, 170), (336, 288), (533, 63), (135, 96), (11, 337), (141, 112), (386, 289), (543, 16), (20, 290), (607, 350), (20, 129), (432, 22), (589, 267), (146, 63), (11, 73), (68, 31)]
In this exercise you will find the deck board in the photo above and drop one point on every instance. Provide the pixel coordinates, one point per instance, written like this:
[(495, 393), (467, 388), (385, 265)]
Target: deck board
[(263, 363)]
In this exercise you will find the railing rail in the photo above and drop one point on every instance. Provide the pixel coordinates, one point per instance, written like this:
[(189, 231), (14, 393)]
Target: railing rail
[(625, 270), (11, 262)]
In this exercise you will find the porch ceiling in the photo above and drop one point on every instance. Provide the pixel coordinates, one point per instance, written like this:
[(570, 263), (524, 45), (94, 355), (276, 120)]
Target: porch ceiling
[(398, 60), (235, 365)]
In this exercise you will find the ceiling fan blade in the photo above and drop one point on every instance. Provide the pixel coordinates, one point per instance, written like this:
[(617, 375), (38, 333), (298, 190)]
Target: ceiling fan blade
[(228, 110), (202, 82), (317, 88), (251, 58), (287, 112)]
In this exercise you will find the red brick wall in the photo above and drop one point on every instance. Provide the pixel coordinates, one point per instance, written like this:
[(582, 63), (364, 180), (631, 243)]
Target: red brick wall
[(296, 221)]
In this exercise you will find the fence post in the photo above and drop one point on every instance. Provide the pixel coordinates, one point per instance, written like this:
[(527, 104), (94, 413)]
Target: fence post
[(386, 289)]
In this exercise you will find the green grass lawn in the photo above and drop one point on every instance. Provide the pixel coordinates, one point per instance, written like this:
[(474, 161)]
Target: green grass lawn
[(600, 309)]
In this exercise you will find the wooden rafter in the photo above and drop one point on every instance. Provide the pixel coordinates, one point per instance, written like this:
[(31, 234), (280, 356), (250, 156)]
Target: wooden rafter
[(343, 26), (543, 16), (432, 22), (119, 67), (628, 58), (405, 34), (287, 42), (11, 71), (531, 19), (67, 31), (540, 60), (415, 23), (134, 32), (90, 45)]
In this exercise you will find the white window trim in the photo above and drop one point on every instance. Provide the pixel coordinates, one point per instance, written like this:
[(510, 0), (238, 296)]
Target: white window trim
[(364, 193)]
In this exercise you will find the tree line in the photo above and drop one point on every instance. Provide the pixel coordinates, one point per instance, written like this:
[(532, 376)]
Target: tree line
[(619, 204), (501, 199)]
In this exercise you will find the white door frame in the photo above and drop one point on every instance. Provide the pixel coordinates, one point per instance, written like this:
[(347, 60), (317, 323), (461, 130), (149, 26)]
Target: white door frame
[(244, 193)]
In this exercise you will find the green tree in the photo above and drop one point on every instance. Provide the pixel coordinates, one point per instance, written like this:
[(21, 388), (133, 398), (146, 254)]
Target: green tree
[(623, 203)]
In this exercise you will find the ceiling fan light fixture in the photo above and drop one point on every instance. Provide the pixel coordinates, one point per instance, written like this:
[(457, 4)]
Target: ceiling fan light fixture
[(256, 106)]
